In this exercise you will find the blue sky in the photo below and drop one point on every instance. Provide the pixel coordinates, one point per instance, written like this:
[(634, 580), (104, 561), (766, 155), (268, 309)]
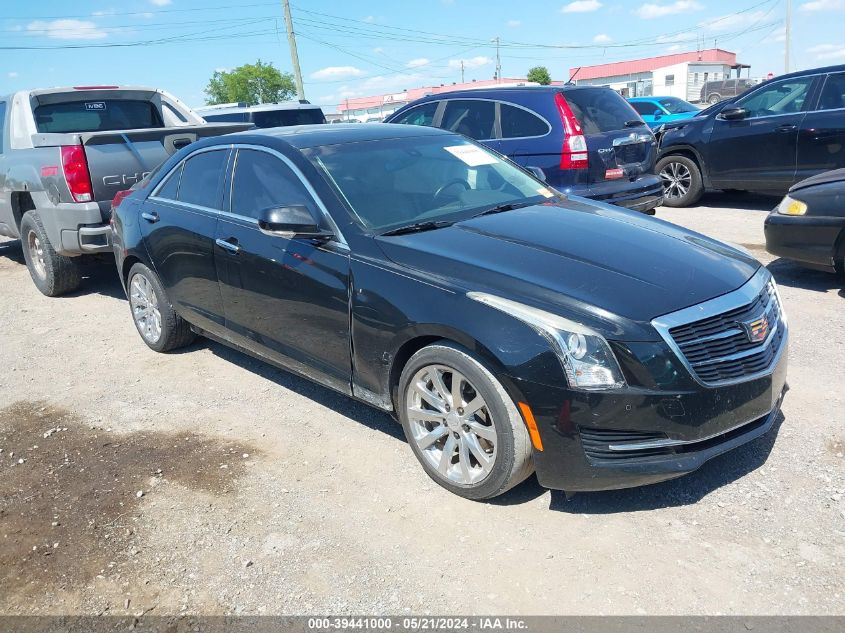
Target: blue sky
[(362, 48)]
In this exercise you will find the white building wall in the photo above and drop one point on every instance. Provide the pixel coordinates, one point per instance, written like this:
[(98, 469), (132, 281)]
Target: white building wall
[(671, 81)]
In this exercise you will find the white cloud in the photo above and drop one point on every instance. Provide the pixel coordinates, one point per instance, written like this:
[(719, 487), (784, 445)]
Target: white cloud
[(581, 6), (823, 5), (513, 23), (370, 18), (161, 3), (13, 74), (416, 63), (734, 21), (472, 62), (602, 38), (650, 10), (102, 12), (674, 48), (66, 29), (828, 51), (378, 49), (337, 72)]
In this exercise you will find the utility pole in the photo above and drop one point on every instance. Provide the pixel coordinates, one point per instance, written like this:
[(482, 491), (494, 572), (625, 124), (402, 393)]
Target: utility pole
[(294, 56), (462, 71), (498, 61), (787, 36)]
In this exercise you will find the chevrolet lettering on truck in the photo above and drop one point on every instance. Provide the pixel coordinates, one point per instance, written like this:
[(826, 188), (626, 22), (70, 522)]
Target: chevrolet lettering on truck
[(64, 155)]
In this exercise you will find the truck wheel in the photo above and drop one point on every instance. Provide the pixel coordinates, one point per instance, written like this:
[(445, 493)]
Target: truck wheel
[(157, 322), (53, 274), (682, 185), (461, 424), (714, 99)]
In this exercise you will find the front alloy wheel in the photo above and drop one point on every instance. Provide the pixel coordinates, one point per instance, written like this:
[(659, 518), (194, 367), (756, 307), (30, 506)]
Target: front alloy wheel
[(451, 425), (461, 423), (681, 179), (677, 180)]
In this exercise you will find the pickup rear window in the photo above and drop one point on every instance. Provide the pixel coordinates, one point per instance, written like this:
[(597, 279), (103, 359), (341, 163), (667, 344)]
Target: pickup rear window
[(599, 110), (283, 118), (97, 115)]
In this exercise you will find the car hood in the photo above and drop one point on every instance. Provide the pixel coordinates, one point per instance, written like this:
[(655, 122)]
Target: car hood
[(608, 266), (824, 178)]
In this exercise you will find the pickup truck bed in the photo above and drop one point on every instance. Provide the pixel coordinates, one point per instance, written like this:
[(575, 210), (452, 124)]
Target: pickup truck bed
[(57, 183)]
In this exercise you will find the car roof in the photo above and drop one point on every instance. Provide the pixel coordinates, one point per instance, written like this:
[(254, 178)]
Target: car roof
[(475, 92), (302, 136)]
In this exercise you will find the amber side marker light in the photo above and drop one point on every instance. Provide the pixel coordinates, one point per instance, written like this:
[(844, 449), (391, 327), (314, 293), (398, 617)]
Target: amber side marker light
[(531, 423)]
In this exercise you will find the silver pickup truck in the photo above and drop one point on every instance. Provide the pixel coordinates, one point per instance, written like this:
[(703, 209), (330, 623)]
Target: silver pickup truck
[(66, 152)]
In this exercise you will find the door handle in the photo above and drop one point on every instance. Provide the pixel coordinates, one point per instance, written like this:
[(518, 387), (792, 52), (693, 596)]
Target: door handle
[(786, 127), (226, 245), (152, 218)]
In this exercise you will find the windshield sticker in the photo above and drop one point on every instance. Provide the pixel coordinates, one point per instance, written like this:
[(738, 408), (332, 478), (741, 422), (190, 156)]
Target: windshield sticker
[(545, 192), (95, 105), (471, 155)]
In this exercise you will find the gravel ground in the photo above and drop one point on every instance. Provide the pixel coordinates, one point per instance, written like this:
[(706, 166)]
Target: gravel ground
[(207, 482)]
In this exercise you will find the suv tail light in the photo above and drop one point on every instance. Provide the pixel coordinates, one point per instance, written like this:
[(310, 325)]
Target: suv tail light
[(118, 198), (575, 154), (75, 168)]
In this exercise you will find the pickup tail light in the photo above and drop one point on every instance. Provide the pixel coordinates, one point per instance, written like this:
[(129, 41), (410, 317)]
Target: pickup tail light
[(75, 168), (118, 198), (574, 154)]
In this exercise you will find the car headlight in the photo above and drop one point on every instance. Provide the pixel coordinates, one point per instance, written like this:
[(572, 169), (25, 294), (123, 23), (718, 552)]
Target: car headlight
[(791, 206), (584, 354)]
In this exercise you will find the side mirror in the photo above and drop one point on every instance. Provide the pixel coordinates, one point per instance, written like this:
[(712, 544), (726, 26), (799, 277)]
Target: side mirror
[(657, 114), (295, 220), (733, 113), (537, 173)]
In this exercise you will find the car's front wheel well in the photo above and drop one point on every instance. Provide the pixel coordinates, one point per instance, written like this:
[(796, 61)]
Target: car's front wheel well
[(686, 153), (400, 359)]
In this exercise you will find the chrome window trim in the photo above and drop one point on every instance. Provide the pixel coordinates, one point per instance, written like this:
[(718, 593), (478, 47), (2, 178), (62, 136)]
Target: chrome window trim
[(714, 307), (339, 237)]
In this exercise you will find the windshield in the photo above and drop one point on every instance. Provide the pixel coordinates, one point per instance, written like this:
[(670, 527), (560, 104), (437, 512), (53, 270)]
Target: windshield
[(397, 182), (674, 105)]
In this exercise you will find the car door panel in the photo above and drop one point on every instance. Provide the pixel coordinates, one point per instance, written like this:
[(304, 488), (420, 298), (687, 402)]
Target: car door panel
[(285, 298), (179, 237), (759, 152), (821, 140)]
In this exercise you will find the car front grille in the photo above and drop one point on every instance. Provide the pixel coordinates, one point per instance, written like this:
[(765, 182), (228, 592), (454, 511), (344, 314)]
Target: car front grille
[(597, 444), (735, 344)]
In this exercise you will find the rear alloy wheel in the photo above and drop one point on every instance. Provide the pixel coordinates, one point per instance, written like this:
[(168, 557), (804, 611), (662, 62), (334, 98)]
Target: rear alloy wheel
[(461, 424), (681, 179), (155, 319)]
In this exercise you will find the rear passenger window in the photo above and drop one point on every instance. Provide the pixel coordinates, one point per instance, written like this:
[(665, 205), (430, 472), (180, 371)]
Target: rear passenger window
[(833, 93), (518, 122), (421, 115), (201, 178), (262, 181), (472, 118), (170, 187)]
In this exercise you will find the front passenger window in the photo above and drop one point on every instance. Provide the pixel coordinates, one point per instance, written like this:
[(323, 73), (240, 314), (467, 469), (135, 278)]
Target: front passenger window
[(784, 97), (833, 93), (262, 181), (421, 115)]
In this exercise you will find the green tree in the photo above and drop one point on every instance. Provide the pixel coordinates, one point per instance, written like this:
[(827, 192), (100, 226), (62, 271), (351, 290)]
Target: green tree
[(252, 83), (540, 74)]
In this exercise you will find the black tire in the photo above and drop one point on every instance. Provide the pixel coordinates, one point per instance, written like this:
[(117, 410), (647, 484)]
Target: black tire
[(175, 332), (714, 99), (53, 274), (670, 167), (513, 459)]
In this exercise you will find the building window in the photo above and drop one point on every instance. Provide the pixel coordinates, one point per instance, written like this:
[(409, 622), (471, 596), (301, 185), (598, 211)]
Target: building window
[(695, 79), (670, 80)]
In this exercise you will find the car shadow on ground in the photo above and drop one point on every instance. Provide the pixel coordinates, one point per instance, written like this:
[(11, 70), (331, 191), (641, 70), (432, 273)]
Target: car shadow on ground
[(788, 273), (746, 201), (356, 411)]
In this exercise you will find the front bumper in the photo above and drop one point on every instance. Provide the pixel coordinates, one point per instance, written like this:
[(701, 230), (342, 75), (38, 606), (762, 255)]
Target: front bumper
[(810, 240), (604, 441)]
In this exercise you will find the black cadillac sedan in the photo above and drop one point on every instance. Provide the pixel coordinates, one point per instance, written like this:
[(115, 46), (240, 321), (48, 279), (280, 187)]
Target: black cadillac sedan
[(808, 226), (509, 328)]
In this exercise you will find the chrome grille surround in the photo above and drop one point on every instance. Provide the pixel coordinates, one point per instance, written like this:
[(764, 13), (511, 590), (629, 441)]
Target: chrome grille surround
[(711, 341)]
